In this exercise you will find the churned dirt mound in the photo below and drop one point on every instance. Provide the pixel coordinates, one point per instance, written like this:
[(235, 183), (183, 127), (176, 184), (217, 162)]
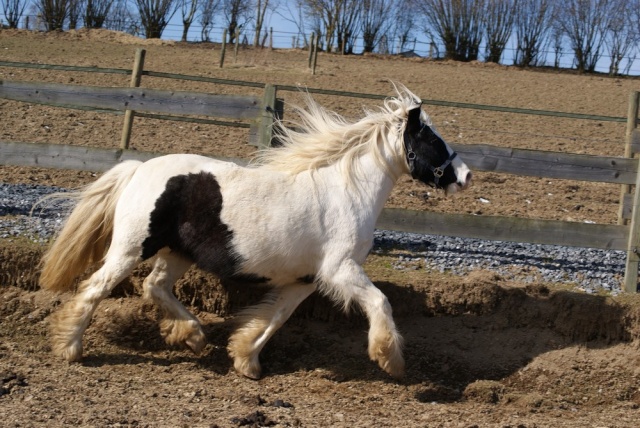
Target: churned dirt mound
[(480, 350)]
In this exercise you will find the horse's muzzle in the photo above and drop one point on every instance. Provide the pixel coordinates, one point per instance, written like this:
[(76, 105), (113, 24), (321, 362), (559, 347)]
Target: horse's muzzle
[(460, 185)]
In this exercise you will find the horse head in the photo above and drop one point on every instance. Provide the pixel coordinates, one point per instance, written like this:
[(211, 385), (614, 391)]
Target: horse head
[(429, 157)]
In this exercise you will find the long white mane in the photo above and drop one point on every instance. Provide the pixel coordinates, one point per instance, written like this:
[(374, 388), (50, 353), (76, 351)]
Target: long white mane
[(322, 137)]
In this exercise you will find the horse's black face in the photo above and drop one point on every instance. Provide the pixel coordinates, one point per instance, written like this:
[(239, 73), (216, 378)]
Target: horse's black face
[(430, 159)]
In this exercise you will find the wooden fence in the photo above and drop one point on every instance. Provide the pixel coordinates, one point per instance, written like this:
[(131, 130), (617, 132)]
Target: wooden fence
[(260, 115)]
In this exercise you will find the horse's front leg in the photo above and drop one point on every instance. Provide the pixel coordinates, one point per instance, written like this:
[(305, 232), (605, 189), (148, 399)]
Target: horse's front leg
[(259, 324), (351, 283)]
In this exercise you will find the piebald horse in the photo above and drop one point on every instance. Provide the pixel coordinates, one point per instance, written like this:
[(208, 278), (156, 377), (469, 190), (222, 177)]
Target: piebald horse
[(300, 218)]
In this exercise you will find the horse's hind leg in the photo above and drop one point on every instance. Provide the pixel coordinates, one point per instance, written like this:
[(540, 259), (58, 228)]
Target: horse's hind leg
[(69, 323), (350, 282), (260, 323), (179, 327)]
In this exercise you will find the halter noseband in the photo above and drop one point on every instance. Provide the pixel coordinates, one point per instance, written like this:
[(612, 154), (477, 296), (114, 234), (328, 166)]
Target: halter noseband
[(438, 171)]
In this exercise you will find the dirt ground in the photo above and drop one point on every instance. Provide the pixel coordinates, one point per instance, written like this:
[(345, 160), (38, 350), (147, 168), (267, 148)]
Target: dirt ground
[(481, 350)]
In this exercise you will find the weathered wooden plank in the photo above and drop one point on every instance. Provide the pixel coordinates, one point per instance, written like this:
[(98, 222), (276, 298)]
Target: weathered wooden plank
[(512, 229), (627, 206), (139, 99), (63, 156), (635, 141), (548, 164), (633, 245)]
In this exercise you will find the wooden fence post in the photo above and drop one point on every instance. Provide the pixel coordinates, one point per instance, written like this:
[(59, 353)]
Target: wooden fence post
[(235, 49), (633, 247), (313, 36), (267, 116), (136, 75), (314, 56), (632, 123), (224, 47)]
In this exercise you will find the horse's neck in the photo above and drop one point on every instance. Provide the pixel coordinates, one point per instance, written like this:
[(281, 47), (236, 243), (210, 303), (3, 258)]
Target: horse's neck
[(370, 187)]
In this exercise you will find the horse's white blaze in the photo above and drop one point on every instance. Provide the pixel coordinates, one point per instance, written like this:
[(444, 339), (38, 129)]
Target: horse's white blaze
[(463, 173)]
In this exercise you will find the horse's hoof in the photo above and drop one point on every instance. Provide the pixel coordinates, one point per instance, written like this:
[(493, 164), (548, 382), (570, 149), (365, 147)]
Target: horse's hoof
[(71, 353), (395, 370), (247, 368), (186, 333), (388, 355), (196, 342)]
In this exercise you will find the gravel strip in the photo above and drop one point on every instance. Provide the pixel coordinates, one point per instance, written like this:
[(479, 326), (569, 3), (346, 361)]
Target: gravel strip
[(589, 269)]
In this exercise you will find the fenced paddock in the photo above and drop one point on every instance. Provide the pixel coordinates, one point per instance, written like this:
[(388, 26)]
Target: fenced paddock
[(256, 114)]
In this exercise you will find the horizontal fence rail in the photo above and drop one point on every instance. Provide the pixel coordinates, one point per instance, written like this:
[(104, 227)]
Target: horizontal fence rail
[(319, 91), (138, 99), (536, 163), (617, 170)]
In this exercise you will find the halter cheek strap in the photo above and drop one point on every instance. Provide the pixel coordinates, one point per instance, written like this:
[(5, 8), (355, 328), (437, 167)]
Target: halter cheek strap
[(437, 171)]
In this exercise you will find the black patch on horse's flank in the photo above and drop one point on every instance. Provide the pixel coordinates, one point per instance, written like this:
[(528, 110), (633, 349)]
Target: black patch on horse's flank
[(430, 150), (186, 218)]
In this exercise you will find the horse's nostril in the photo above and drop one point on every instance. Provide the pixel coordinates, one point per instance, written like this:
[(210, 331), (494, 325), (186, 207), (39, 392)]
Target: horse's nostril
[(467, 181)]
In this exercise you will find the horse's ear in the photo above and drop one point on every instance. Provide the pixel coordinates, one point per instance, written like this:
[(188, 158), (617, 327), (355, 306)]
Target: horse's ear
[(413, 120)]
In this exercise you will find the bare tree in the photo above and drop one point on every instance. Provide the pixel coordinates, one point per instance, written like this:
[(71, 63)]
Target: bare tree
[(295, 16), (155, 15), (208, 9), (236, 14), (404, 22), (262, 6), (533, 26), (622, 35), (189, 9), (76, 8), (325, 15), (557, 42), (13, 11), (96, 13), (375, 21), (53, 13), (458, 25), (498, 25), (585, 24), (348, 25), (120, 17)]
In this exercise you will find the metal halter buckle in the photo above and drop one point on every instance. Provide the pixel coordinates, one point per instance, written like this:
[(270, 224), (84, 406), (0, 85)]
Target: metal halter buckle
[(411, 157)]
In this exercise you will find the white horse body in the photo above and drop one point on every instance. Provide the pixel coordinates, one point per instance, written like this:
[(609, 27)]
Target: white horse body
[(297, 227)]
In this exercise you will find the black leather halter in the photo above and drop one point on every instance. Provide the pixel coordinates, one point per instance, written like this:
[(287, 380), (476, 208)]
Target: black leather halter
[(437, 171)]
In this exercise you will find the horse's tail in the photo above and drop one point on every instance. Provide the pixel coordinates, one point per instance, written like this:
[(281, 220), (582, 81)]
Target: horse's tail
[(86, 234)]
